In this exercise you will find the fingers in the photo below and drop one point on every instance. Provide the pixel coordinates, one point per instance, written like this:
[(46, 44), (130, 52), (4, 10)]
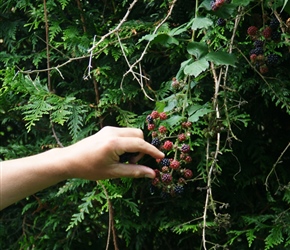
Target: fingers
[(123, 132), (133, 144), (133, 171)]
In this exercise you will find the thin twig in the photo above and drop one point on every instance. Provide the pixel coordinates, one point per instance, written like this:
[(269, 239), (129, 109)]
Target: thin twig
[(47, 45), (117, 28), (275, 165), (111, 226)]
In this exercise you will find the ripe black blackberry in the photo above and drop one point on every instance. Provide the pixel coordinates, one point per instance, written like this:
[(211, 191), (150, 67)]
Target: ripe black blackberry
[(258, 51), (185, 148), (274, 23), (165, 162), (259, 44), (156, 142), (272, 59), (179, 189), (276, 35), (221, 22), (150, 119)]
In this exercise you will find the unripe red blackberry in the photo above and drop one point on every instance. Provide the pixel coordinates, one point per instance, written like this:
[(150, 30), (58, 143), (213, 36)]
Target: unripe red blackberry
[(267, 32), (181, 180), (165, 162), (157, 172), (185, 148), (166, 178), (253, 57), (155, 114), (175, 164), (151, 126), (163, 116), (167, 145), (187, 173), (188, 159), (175, 83), (181, 137), (156, 142), (252, 30), (219, 3), (155, 181), (188, 124), (162, 129), (213, 5), (264, 69)]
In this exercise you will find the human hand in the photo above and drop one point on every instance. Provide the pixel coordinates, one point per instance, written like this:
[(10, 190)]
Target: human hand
[(98, 156)]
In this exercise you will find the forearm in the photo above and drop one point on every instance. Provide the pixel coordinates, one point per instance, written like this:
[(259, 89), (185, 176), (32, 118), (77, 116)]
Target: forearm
[(22, 177)]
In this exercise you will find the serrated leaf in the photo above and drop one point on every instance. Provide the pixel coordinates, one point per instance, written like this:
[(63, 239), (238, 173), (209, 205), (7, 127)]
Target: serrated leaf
[(197, 49), (199, 113), (201, 22), (172, 121), (221, 58), (196, 68)]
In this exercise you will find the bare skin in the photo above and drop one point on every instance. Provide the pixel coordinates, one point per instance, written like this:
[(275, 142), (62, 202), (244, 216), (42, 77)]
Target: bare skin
[(93, 158)]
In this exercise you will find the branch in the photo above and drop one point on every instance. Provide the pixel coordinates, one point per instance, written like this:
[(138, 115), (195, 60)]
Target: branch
[(47, 45), (275, 165), (116, 29)]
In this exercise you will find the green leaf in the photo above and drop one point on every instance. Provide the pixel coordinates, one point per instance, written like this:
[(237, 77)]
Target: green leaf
[(221, 58), (196, 68), (172, 121), (198, 49), (201, 22), (194, 117)]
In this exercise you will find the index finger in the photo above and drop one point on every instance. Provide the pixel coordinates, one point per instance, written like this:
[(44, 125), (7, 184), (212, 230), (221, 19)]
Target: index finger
[(135, 144), (124, 132)]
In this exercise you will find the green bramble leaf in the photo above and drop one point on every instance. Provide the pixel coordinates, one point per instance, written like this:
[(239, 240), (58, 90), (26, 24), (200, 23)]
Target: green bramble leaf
[(197, 67), (198, 49), (221, 58), (201, 22)]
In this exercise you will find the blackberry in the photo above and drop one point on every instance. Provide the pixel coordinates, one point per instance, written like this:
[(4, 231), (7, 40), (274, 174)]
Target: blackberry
[(156, 142), (252, 30), (272, 59), (259, 44), (163, 116), (267, 32), (258, 51), (166, 178), (179, 189), (185, 148), (150, 119), (168, 145), (221, 22), (165, 162), (276, 35), (274, 23)]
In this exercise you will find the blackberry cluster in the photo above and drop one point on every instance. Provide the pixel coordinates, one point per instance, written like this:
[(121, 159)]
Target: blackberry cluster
[(261, 38), (171, 174)]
